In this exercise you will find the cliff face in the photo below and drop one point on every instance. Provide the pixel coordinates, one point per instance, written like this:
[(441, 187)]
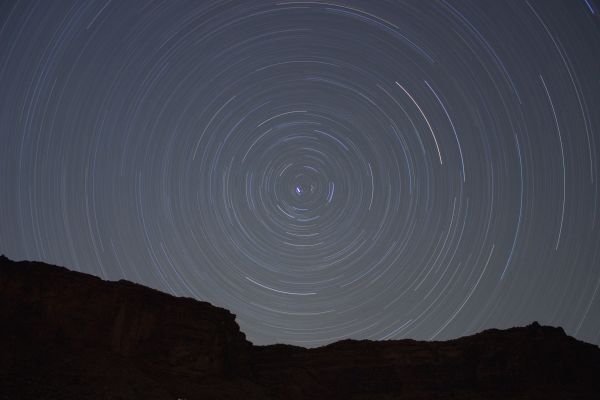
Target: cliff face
[(60, 326), (70, 335)]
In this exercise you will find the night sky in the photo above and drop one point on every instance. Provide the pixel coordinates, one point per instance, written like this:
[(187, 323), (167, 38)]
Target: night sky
[(324, 170)]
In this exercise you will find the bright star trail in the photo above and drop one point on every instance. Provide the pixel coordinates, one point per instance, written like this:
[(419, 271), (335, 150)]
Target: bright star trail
[(324, 170)]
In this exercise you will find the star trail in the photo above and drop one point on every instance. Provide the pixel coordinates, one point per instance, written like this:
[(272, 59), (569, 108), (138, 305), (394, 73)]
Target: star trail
[(324, 170)]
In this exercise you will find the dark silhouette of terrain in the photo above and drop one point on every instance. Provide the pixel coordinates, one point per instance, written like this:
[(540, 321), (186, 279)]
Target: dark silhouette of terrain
[(68, 335)]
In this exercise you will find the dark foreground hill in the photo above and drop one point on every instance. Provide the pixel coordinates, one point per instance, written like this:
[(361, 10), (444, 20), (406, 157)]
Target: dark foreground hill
[(68, 335)]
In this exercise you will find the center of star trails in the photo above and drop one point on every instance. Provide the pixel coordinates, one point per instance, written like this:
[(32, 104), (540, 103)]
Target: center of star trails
[(302, 189)]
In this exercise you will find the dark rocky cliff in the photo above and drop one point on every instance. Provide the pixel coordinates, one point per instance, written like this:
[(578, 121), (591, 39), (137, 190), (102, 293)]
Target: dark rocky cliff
[(70, 335)]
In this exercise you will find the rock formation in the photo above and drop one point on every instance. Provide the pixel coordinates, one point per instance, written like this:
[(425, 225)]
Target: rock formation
[(68, 335)]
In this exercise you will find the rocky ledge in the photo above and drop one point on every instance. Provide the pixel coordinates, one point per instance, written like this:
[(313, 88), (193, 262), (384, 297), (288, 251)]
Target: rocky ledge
[(68, 335)]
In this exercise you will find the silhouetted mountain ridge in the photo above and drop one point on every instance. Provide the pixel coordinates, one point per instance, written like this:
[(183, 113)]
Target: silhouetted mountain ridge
[(67, 335)]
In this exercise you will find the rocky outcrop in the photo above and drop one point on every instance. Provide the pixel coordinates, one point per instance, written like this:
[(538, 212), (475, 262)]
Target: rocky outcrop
[(530, 362), (67, 335)]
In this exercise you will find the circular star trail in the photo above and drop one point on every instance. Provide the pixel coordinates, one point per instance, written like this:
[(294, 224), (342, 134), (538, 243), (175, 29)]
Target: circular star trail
[(325, 170)]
